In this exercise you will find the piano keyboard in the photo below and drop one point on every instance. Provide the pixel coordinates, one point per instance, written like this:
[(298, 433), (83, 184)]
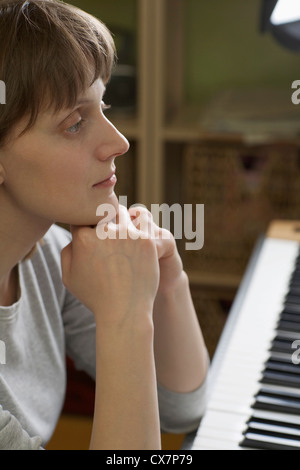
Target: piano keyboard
[(254, 388)]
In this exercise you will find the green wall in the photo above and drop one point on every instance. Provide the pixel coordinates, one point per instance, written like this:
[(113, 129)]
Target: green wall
[(225, 49), (223, 45)]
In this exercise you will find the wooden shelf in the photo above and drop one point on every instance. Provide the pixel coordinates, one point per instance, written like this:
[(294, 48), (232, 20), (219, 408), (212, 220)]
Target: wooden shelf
[(186, 126), (192, 123)]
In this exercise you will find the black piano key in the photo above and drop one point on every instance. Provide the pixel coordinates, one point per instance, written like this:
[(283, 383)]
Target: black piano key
[(285, 311), (287, 316), (281, 393), (265, 442), (277, 404), (273, 431), (287, 426), (296, 272), (294, 280), (294, 284), (283, 379), (285, 358), (280, 344), (294, 290), (292, 308), (288, 326), (282, 366), (286, 337), (291, 298)]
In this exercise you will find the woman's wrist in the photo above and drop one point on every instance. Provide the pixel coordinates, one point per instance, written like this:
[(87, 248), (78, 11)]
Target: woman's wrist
[(138, 321), (174, 286)]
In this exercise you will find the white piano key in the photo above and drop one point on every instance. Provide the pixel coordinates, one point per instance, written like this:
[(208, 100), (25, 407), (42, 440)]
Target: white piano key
[(227, 435), (274, 428), (216, 444), (238, 408), (228, 401), (224, 420), (224, 428), (271, 415), (226, 389)]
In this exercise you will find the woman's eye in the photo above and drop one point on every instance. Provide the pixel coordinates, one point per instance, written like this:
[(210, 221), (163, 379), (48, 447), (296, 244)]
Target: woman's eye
[(76, 128)]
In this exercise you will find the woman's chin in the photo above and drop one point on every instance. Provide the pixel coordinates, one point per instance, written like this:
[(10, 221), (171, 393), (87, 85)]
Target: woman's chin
[(106, 210)]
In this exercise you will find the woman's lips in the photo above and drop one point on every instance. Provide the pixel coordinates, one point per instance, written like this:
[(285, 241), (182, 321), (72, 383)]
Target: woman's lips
[(110, 181)]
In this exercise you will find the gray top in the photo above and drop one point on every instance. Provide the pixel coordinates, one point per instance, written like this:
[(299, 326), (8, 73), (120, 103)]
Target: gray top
[(36, 333)]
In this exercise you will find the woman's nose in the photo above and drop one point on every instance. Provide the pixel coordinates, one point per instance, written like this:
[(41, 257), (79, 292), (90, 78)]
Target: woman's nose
[(111, 143)]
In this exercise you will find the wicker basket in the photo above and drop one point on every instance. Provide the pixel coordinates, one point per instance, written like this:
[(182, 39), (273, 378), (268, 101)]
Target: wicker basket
[(242, 189)]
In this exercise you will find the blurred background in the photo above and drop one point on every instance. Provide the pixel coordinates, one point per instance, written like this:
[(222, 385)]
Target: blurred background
[(203, 94)]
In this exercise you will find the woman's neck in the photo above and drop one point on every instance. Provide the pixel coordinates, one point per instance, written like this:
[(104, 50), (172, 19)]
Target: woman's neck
[(19, 233)]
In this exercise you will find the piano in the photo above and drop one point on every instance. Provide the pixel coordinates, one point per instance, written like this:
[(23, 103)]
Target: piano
[(254, 380)]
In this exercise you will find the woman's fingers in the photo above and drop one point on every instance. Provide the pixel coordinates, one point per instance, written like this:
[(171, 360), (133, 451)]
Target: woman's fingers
[(142, 218), (117, 227)]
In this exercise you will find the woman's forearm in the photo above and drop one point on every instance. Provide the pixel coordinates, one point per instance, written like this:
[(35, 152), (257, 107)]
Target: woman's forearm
[(126, 407), (180, 352)]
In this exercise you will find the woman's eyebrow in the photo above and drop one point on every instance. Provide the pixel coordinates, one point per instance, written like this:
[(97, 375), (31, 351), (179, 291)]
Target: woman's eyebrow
[(84, 101), (89, 100), (81, 102), (69, 112)]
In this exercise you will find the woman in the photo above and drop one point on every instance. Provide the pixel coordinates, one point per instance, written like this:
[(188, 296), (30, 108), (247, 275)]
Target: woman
[(98, 300)]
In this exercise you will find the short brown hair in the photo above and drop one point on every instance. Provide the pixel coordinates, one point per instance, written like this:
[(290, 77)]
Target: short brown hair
[(50, 53)]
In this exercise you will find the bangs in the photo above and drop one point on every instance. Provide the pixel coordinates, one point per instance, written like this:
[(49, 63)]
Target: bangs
[(54, 53)]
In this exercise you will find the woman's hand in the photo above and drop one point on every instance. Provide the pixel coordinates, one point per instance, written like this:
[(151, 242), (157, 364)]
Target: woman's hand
[(170, 263), (115, 278)]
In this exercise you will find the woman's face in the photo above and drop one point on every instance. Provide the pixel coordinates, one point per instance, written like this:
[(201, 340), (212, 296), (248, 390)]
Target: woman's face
[(55, 171)]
